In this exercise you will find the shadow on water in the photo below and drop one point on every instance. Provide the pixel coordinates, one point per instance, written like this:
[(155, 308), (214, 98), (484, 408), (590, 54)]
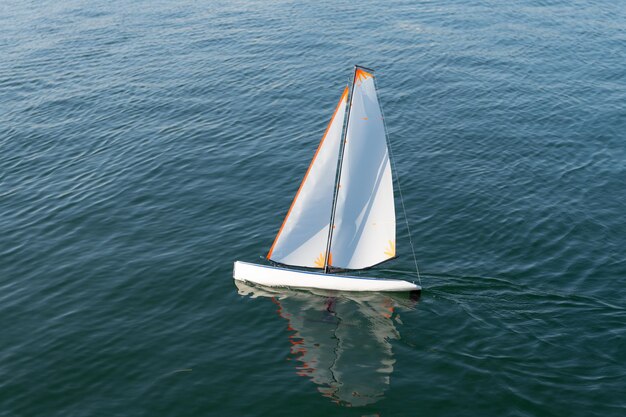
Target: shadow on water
[(341, 342)]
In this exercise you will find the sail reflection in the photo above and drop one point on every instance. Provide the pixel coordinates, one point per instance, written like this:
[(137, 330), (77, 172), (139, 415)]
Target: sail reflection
[(341, 342)]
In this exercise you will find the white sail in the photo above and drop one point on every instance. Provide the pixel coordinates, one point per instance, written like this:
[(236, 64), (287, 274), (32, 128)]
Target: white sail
[(303, 236), (365, 220)]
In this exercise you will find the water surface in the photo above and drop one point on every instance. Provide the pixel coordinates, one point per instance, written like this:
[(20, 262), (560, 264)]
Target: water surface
[(145, 146)]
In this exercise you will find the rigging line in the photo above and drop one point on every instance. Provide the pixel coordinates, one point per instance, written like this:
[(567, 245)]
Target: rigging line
[(393, 165)]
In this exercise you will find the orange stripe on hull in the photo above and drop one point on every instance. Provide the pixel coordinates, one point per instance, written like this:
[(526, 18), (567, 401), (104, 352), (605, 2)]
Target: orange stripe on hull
[(344, 97)]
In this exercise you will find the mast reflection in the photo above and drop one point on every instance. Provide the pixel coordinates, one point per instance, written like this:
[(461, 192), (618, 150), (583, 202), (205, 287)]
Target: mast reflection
[(340, 341)]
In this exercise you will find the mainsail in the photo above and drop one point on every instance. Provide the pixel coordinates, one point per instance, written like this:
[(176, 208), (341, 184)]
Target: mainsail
[(303, 237), (364, 232)]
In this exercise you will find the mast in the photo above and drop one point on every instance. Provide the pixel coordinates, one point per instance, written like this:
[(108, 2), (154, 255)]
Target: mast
[(338, 176)]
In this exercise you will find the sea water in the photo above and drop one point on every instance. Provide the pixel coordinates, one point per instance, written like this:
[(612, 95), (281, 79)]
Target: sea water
[(145, 146)]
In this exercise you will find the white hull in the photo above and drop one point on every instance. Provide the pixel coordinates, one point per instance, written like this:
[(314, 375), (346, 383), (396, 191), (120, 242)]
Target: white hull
[(281, 277)]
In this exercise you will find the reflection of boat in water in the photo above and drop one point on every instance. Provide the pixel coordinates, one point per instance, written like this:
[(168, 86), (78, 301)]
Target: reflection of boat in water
[(341, 342)]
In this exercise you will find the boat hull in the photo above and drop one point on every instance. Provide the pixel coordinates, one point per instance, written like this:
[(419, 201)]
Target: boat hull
[(272, 276)]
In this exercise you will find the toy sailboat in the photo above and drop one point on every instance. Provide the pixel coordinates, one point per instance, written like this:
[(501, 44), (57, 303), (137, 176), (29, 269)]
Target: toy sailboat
[(343, 216)]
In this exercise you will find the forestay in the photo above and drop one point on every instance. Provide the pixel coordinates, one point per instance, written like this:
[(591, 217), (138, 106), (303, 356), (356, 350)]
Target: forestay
[(303, 236)]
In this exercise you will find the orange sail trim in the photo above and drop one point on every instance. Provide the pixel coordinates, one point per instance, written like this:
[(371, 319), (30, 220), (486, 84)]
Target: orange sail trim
[(343, 98)]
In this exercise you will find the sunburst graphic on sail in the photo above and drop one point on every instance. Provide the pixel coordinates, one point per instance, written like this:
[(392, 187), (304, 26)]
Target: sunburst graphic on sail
[(320, 261), (391, 249)]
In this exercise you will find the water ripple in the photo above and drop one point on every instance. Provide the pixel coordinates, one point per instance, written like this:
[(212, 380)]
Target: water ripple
[(146, 147)]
